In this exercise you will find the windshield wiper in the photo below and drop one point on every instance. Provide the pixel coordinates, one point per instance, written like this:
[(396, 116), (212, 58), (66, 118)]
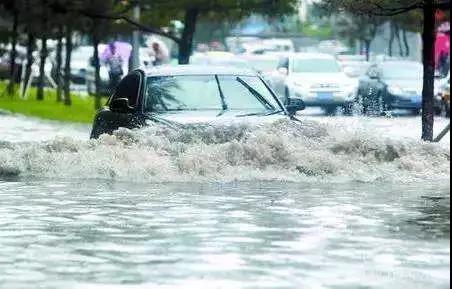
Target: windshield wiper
[(261, 114), (223, 100), (255, 93)]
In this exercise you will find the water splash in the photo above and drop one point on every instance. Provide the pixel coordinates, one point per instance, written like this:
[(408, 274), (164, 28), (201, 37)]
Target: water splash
[(284, 150)]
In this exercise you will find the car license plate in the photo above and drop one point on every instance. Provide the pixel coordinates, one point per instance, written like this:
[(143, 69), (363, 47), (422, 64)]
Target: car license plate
[(416, 99), (324, 95)]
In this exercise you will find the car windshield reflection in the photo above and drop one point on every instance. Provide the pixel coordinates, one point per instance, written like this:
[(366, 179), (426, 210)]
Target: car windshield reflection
[(220, 93)]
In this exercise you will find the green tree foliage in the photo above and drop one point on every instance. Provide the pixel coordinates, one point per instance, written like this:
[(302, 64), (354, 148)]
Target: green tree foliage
[(162, 12), (359, 28), (40, 20)]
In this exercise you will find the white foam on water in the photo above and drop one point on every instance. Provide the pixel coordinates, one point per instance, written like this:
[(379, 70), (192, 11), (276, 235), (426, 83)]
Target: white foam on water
[(285, 150)]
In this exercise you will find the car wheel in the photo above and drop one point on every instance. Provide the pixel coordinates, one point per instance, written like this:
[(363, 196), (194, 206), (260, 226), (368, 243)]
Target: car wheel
[(349, 109), (416, 111), (445, 109), (358, 106), (330, 110), (376, 106)]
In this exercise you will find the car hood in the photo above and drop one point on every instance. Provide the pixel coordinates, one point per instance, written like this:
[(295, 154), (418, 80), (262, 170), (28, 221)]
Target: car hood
[(406, 84), (195, 118)]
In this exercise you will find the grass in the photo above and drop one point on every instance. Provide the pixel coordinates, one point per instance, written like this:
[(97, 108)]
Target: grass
[(81, 111), (321, 32)]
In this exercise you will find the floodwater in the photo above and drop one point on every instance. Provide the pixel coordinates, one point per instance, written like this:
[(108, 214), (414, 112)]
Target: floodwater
[(334, 203)]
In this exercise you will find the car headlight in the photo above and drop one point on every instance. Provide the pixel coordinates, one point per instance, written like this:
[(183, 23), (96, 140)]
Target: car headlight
[(395, 89), (351, 86)]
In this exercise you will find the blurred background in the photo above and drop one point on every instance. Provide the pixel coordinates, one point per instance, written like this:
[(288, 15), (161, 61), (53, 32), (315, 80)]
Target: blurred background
[(59, 50)]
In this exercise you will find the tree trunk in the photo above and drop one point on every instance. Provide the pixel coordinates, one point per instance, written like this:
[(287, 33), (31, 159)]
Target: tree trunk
[(367, 48), (399, 41), (405, 43), (67, 67), (42, 62), (59, 63), (391, 39), (186, 43), (13, 54), (428, 55), (97, 96), (30, 60)]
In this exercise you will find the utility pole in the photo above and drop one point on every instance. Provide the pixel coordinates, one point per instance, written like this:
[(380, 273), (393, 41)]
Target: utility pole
[(136, 39)]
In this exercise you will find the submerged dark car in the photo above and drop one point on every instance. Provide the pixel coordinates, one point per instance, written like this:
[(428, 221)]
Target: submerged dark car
[(391, 85), (183, 95)]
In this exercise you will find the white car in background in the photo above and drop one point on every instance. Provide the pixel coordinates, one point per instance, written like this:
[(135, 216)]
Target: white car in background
[(264, 46), (264, 64), (317, 79), (354, 66), (218, 58)]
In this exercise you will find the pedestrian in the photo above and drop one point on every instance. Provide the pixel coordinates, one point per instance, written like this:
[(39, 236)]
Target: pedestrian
[(114, 63), (161, 55)]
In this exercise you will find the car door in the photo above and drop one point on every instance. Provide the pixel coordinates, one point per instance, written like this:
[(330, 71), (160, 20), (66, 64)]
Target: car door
[(113, 117)]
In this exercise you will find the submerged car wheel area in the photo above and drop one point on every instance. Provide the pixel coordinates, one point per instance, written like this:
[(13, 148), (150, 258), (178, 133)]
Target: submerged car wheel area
[(187, 95)]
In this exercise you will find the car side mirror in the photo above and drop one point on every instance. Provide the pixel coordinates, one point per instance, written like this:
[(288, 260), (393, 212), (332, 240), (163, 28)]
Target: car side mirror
[(283, 71), (294, 105), (120, 105)]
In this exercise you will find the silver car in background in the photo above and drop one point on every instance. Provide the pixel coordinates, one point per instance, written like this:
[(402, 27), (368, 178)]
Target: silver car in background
[(317, 79)]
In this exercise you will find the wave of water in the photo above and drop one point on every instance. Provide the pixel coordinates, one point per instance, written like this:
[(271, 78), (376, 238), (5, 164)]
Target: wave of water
[(283, 150)]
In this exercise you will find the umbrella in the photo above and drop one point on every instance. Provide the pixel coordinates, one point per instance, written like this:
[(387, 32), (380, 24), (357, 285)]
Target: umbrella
[(124, 49)]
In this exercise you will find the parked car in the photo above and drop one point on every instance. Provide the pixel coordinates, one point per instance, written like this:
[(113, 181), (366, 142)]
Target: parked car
[(218, 58), (79, 62), (443, 104), (441, 86), (391, 85), (264, 64), (332, 47), (5, 51), (190, 95), (317, 79), (259, 46), (354, 66)]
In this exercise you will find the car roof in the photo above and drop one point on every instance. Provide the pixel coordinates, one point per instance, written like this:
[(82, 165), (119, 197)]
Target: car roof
[(257, 57), (312, 56), (168, 70), (401, 63)]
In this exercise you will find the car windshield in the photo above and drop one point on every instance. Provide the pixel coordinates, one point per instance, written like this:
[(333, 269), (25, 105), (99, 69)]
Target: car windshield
[(316, 66), (209, 92), (401, 71)]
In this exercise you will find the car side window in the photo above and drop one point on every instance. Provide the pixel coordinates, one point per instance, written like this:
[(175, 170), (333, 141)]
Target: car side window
[(129, 88)]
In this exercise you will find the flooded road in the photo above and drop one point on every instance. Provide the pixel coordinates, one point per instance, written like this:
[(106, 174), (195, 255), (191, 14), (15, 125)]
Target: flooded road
[(335, 204)]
